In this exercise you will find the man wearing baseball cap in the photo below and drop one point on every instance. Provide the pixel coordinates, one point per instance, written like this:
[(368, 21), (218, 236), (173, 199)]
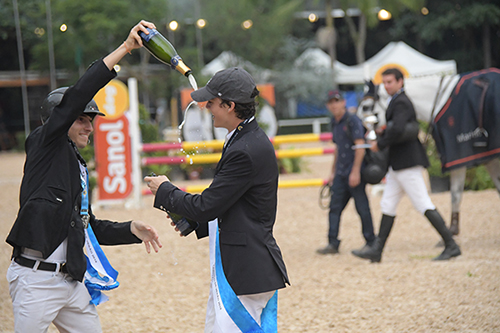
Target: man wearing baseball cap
[(237, 211), (345, 178)]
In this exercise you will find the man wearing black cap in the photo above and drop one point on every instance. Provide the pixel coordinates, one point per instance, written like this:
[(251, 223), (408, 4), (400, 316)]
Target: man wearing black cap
[(237, 211), (55, 217), (345, 178)]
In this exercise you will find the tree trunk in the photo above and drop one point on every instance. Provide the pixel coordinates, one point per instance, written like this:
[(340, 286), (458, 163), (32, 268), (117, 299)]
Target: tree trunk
[(358, 36), (486, 46), (330, 24), (360, 45)]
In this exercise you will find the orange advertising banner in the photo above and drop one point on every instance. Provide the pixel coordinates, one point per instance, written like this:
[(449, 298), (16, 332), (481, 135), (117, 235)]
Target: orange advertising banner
[(113, 157)]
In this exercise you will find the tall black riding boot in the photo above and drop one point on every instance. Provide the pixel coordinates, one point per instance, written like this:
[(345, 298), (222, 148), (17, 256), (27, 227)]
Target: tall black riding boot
[(451, 248), (374, 252)]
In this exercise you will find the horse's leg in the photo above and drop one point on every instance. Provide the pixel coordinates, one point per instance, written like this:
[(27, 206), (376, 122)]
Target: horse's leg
[(493, 168), (457, 182)]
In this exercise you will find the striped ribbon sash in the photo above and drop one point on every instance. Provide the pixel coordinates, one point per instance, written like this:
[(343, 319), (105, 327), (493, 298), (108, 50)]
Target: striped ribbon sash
[(100, 275), (228, 308)]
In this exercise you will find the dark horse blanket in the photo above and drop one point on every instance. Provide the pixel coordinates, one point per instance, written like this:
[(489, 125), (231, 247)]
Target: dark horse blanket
[(467, 129)]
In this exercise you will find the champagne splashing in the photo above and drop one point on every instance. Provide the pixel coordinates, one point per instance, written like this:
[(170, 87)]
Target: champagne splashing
[(174, 257), (192, 82), (194, 85), (185, 115)]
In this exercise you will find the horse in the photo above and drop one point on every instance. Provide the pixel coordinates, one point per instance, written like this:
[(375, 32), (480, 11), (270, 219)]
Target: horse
[(463, 114)]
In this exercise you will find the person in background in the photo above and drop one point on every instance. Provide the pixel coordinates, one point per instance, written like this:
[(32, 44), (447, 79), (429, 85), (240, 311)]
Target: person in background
[(407, 161), (237, 211), (55, 217), (345, 178)]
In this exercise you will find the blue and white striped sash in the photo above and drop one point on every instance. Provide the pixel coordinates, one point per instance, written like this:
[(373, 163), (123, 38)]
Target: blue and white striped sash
[(100, 275), (228, 307)]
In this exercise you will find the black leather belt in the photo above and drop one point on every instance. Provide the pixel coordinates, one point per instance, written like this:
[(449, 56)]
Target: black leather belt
[(44, 266)]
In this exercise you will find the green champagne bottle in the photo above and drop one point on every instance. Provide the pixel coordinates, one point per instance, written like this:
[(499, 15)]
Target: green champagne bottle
[(161, 48), (185, 225)]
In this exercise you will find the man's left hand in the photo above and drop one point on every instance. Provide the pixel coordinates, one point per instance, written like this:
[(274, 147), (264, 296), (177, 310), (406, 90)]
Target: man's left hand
[(147, 234)]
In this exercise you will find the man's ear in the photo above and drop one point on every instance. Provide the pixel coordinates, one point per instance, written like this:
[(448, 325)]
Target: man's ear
[(231, 106)]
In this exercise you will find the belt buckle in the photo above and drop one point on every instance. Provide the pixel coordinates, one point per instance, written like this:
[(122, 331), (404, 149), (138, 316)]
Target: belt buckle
[(85, 221)]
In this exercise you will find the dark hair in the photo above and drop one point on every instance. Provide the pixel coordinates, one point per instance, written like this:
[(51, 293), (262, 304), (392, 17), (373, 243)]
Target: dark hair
[(394, 71), (244, 110)]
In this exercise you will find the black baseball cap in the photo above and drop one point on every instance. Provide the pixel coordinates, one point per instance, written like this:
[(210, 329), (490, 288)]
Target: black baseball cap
[(232, 84), (334, 94)]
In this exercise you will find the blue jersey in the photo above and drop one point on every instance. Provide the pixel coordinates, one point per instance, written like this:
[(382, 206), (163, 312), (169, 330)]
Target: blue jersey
[(348, 129)]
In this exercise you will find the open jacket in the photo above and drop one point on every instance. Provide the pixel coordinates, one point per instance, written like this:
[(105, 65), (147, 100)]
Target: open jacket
[(405, 154), (50, 195), (243, 196)]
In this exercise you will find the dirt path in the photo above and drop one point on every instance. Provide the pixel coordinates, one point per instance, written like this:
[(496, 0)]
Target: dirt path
[(407, 292)]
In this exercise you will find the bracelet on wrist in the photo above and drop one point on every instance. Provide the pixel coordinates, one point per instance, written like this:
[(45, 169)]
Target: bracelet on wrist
[(126, 48)]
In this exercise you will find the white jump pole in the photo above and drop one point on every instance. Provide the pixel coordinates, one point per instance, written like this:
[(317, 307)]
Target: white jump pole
[(135, 143)]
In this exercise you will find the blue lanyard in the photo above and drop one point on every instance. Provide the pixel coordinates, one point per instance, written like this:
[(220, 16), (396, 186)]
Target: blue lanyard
[(84, 208)]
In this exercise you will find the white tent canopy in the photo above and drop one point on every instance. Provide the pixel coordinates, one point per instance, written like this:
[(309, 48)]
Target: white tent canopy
[(397, 54), (228, 59)]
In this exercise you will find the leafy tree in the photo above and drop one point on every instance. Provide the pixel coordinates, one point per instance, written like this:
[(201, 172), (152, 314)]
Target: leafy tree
[(272, 20), (368, 18), (30, 16), (460, 29)]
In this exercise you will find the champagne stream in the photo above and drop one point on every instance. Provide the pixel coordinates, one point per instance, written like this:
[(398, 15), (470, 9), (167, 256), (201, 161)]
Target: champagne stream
[(194, 85), (192, 82), (185, 115)]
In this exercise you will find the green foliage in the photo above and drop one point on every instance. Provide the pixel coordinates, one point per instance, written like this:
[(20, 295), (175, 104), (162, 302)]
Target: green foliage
[(20, 141), (456, 16), (95, 28), (290, 165), (272, 20), (434, 168), (453, 29), (149, 129), (304, 82), (477, 179), (87, 152), (88, 155), (159, 169), (395, 7)]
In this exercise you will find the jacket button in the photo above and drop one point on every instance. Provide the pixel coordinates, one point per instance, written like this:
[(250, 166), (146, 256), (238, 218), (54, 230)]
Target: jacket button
[(72, 224), (76, 208)]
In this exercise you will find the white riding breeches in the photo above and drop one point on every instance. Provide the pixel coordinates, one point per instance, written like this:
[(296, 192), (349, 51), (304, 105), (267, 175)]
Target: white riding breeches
[(409, 181)]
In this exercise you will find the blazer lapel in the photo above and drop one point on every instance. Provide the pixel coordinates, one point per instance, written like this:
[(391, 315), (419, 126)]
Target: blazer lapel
[(251, 126)]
